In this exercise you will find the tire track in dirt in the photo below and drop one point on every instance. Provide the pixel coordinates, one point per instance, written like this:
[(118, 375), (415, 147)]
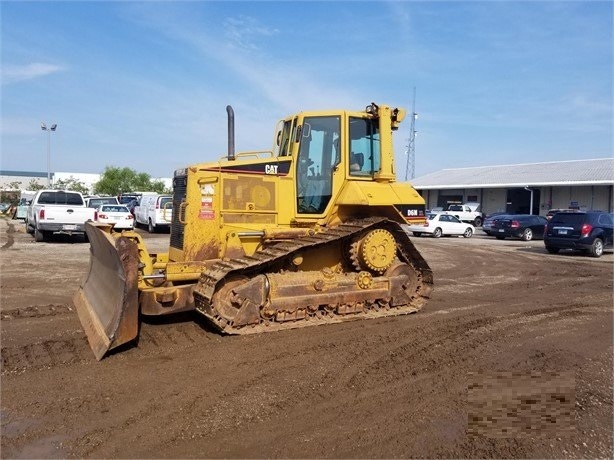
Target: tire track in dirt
[(453, 344), (36, 311), (44, 354), (10, 236)]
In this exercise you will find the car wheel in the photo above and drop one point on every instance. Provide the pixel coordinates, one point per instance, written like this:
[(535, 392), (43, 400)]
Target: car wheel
[(417, 233), (468, 233), (552, 250), (39, 236), (437, 233), (596, 248), (499, 237), (477, 222), (527, 235), (150, 227)]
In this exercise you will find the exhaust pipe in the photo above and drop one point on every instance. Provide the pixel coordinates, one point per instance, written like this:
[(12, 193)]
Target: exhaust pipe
[(231, 133)]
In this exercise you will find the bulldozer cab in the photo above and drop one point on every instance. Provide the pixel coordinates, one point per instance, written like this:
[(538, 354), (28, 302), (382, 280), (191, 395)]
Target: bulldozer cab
[(329, 149)]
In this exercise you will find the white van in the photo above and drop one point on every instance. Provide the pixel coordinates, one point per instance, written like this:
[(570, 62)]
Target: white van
[(154, 211)]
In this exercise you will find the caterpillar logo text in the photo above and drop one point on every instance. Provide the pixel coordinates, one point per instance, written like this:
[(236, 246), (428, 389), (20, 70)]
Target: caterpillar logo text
[(270, 169)]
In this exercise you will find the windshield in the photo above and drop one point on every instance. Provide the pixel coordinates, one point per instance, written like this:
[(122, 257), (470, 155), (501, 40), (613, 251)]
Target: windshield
[(60, 197), (97, 202), (109, 208), (568, 218)]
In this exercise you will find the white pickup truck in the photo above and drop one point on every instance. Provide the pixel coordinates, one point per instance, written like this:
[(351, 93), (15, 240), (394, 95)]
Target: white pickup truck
[(468, 212), (57, 211)]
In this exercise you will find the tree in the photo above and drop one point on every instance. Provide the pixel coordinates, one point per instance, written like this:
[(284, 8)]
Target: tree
[(34, 185), (71, 184), (159, 187), (115, 181)]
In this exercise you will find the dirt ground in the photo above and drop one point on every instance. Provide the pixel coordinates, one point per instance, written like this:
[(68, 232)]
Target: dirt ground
[(505, 319)]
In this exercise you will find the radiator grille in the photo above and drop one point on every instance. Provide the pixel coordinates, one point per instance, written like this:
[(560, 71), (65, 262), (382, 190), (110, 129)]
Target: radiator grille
[(179, 195)]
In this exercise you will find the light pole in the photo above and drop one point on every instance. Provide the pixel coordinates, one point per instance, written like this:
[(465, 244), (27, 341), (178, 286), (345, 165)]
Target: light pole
[(51, 128)]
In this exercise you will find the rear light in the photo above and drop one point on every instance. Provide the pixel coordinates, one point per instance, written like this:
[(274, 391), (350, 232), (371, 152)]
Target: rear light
[(129, 217), (102, 216), (586, 229), (95, 215), (515, 224), (41, 214), (426, 224)]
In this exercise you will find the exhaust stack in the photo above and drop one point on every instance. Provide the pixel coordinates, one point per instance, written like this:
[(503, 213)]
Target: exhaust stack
[(231, 133)]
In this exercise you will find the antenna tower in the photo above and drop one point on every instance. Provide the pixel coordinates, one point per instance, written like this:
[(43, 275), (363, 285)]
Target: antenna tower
[(410, 148)]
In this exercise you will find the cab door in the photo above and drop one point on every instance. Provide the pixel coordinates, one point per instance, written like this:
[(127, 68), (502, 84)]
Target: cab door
[(317, 163)]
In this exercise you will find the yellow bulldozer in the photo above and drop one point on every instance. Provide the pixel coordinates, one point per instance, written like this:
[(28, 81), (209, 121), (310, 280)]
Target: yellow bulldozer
[(308, 233)]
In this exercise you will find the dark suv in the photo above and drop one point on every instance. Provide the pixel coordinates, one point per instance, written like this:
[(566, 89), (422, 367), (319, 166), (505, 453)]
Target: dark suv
[(589, 231)]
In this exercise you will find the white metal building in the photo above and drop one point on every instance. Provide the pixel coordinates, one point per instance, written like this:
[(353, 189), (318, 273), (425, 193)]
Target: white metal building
[(23, 180), (524, 188)]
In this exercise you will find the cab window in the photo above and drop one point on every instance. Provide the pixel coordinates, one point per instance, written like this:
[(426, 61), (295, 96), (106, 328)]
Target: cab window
[(284, 138), (364, 148)]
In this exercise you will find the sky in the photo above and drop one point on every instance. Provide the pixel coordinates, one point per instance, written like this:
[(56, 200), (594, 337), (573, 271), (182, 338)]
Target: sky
[(144, 85)]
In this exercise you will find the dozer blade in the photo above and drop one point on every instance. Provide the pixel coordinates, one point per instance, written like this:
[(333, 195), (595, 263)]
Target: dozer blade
[(107, 301)]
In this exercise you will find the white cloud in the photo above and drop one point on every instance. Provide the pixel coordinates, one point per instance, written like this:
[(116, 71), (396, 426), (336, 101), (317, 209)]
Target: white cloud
[(243, 30), (17, 73)]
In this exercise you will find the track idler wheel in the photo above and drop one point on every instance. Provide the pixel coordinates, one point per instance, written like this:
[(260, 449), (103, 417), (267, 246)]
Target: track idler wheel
[(374, 251), (237, 302)]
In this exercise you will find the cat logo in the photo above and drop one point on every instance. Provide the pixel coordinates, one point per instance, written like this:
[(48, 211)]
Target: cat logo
[(270, 169)]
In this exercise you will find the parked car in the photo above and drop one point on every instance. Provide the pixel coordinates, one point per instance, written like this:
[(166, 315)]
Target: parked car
[(115, 214), (154, 211), (96, 202), (127, 198), (442, 224), (489, 220), (131, 205), (587, 231), (57, 212), (468, 212), (523, 226)]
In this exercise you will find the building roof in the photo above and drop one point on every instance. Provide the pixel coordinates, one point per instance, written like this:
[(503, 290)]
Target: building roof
[(556, 173), (4, 172)]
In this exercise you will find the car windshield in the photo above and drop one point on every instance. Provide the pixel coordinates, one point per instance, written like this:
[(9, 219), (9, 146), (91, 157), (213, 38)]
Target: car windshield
[(568, 218), (455, 208), (60, 197), (114, 209), (96, 202)]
